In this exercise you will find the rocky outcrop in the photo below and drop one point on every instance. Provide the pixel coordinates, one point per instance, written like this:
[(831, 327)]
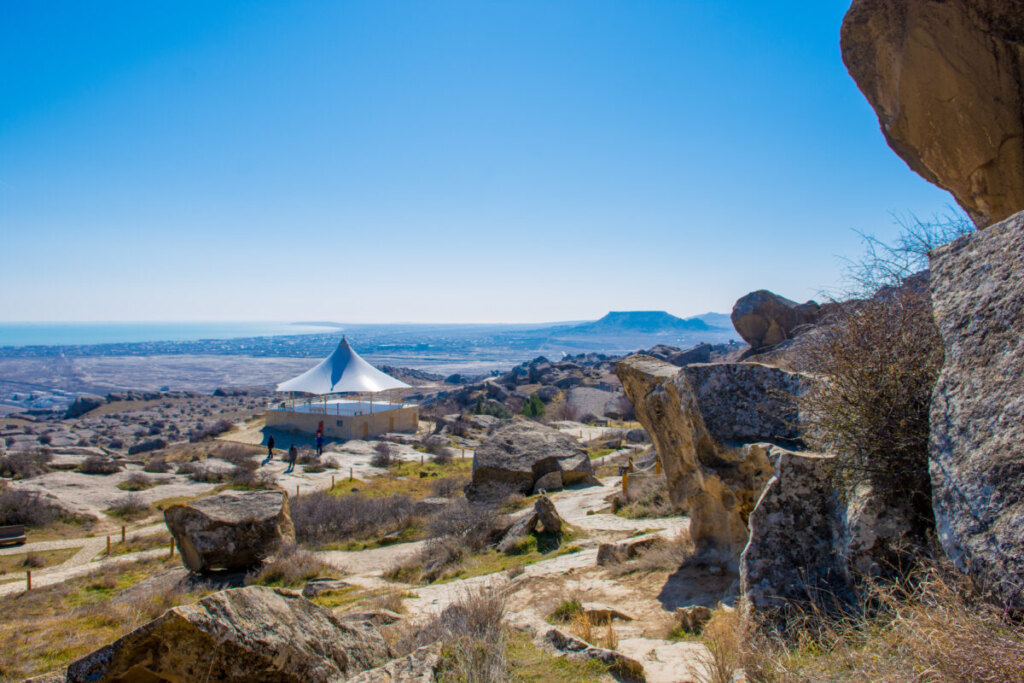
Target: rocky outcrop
[(977, 411), (809, 545), (521, 452), (695, 354), (419, 666), (544, 517), (765, 319), (714, 485), (244, 634), (234, 530), (945, 79), (83, 404), (748, 402)]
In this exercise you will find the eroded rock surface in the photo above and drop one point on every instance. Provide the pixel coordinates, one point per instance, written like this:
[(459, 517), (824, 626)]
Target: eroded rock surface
[(521, 452), (765, 319), (714, 485), (240, 635), (977, 411), (945, 78), (235, 530)]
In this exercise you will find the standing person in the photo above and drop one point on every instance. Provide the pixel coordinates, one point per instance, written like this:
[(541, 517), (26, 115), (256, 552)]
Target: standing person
[(319, 444), (293, 455), (270, 450)]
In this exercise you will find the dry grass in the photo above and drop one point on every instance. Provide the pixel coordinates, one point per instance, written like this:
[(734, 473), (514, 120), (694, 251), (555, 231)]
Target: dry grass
[(647, 497), (16, 565), (292, 568), (323, 519), (47, 628), (664, 554), (407, 478), (129, 508)]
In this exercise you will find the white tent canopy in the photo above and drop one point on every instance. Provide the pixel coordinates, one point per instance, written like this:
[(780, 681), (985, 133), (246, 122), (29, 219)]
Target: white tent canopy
[(341, 372)]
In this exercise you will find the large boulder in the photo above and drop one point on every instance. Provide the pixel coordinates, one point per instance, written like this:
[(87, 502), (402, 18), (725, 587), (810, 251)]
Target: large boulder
[(977, 410), (765, 319), (522, 451), (715, 485), (243, 634), (748, 402), (945, 79), (810, 545), (235, 530)]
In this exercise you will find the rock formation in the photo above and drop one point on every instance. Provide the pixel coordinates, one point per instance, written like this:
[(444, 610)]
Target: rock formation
[(716, 486), (244, 634), (748, 402), (235, 530), (977, 411), (765, 319), (945, 78), (519, 453), (83, 404)]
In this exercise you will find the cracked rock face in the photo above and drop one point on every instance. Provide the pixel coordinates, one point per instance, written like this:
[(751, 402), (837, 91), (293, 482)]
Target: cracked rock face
[(976, 452), (715, 485), (945, 79)]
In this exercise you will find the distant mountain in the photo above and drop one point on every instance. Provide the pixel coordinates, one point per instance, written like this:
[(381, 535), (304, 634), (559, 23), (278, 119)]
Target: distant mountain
[(641, 322), (721, 320)]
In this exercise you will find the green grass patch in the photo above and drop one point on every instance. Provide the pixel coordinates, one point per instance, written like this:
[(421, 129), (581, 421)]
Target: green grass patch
[(405, 478), (34, 560), (529, 664)]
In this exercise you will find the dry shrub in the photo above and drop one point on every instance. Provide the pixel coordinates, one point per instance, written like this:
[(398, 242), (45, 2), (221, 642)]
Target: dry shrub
[(473, 635), (33, 561), (382, 455), (933, 628), (203, 431), (97, 464), (27, 507), (458, 531), (25, 464), (157, 466), (146, 446), (723, 637), (321, 518), (449, 487), (646, 497), (239, 455), (664, 554), (291, 567), (129, 506), (137, 481)]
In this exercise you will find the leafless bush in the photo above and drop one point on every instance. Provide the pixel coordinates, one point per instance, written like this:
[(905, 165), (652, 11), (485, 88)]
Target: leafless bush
[(664, 554), (202, 431), (443, 456), (241, 478), (137, 481), (646, 497), (147, 445), (321, 518), (238, 455), (438, 445), (97, 464), (473, 633), (157, 466), (471, 524), (33, 561), (131, 505), (382, 455), (449, 487), (25, 464), (291, 567), (26, 507)]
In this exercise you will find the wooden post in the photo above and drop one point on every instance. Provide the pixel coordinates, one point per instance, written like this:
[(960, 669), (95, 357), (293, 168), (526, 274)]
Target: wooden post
[(350, 474), (625, 483), (108, 545), (332, 482), (172, 548), (123, 536), (657, 466), (296, 490), (463, 453), (28, 580), (421, 460)]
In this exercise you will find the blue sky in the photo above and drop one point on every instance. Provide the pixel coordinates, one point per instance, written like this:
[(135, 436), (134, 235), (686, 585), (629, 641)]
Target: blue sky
[(430, 161)]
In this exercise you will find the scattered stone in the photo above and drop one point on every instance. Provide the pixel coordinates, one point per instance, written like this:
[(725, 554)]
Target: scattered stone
[(977, 412), (600, 613), (611, 553), (243, 634), (692, 619), (235, 530)]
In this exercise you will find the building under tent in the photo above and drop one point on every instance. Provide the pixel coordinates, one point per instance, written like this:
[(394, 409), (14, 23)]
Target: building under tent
[(346, 398)]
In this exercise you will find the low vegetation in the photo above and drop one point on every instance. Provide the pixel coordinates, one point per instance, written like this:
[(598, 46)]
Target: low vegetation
[(25, 464), (29, 508), (291, 568), (662, 554), (129, 508), (322, 519), (646, 497), (98, 464)]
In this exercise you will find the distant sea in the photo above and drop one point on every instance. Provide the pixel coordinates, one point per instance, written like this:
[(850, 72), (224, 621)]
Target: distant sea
[(73, 334)]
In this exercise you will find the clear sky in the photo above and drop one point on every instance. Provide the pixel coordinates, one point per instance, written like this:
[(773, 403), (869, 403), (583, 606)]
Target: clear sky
[(400, 160)]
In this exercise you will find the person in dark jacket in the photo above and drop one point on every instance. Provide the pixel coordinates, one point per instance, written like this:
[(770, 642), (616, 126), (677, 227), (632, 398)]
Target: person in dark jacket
[(319, 444), (293, 455), (270, 450)]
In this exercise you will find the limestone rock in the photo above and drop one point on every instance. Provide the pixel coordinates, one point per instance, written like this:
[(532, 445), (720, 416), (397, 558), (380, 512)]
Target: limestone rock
[(716, 486), (522, 451), (83, 404), (235, 530), (977, 412), (552, 481), (243, 634), (543, 517), (611, 553), (793, 533), (945, 79), (375, 617), (692, 619), (748, 402), (419, 666), (765, 319)]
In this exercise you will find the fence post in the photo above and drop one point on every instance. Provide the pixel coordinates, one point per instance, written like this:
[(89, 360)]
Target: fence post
[(108, 545), (28, 580), (172, 548), (625, 483), (123, 537), (296, 490), (350, 474), (332, 482), (657, 466)]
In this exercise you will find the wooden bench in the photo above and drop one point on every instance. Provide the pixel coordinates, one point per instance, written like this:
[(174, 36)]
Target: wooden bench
[(12, 534)]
